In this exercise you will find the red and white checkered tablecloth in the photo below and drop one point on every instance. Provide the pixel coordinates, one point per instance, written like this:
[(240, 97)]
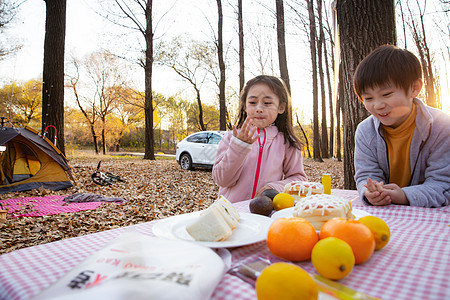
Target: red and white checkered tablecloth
[(414, 265)]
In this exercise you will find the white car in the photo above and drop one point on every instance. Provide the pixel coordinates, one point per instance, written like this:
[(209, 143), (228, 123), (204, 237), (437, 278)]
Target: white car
[(199, 149)]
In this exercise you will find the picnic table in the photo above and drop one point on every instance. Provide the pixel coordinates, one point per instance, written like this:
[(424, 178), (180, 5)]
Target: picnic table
[(414, 265)]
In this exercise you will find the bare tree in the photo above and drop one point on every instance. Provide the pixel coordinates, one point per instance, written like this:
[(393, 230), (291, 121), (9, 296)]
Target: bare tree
[(137, 15), (320, 54), (282, 59), (419, 36), (261, 51), (88, 112), (312, 47), (53, 71), (327, 27), (340, 96), (103, 77), (363, 26), (8, 11), (222, 106), (241, 47), (189, 60)]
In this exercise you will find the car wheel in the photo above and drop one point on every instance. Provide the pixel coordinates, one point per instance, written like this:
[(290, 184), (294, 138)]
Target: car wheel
[(186, 162)]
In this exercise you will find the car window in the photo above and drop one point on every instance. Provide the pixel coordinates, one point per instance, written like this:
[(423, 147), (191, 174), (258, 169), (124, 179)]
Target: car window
[(214, 138), (198, 138)]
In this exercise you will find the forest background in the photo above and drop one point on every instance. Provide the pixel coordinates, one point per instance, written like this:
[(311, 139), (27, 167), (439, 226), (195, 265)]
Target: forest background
[(105, 87)]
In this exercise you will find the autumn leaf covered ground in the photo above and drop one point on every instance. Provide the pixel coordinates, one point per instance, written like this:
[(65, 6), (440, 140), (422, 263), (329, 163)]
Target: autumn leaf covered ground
[(153, 190)]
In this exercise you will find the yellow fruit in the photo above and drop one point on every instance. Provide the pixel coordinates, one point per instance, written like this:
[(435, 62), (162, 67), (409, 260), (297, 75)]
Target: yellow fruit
[(285, 281), (333, 258), (379, 228), (282, 201)]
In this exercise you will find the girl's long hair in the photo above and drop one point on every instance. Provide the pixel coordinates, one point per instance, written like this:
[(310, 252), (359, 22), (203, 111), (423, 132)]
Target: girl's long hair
[(284, 120)]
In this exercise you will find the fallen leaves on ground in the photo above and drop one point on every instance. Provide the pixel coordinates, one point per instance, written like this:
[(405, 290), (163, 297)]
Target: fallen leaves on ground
[(154, 189)]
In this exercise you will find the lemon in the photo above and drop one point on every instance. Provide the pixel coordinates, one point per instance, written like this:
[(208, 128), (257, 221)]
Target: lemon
[(333, 258), (379, 228), (285, 281), (282, 201)]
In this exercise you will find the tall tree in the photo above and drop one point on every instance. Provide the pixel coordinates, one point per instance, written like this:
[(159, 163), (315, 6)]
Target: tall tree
[(339, 97), (88, 112), (53, 71), (320, 54), (105, 74), (312, 47), (130, 16), (329, 66), (241, 47), (363, 26), (222, 105), (420, 39), (282, 59)]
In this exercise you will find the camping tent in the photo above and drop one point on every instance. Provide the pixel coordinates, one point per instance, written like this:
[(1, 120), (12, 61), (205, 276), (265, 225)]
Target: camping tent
[(30, 161)]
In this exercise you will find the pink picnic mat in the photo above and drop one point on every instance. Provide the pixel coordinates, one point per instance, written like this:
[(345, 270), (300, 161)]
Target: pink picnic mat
[(43, 206)]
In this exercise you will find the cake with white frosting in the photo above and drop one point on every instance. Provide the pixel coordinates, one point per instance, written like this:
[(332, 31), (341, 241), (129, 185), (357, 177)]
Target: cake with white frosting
[(317, 209), (301, 189)]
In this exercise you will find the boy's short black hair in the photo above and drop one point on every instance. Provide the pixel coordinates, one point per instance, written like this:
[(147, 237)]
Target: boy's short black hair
[(387, 64)]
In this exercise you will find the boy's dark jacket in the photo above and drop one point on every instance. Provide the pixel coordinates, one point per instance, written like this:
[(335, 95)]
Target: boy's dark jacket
[(429, 157)]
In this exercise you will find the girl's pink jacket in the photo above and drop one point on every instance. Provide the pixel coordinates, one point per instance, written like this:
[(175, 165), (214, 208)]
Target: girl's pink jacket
[(236, 165)]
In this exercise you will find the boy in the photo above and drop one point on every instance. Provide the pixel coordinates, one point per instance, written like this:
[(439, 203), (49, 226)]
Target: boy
[(404, 143)]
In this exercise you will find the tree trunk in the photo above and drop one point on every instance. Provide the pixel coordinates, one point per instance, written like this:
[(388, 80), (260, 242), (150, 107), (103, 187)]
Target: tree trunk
[(419, 37), (320, 42), (363, 26), (103, 138), (340, 96), (200, 110), (330, 96), (312, 47), (282, 43), (148, 69), (222, 108), (53, 69), (241, 48)]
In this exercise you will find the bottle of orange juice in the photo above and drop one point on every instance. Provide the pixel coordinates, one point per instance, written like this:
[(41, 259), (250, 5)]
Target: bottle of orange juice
[(326, 182)]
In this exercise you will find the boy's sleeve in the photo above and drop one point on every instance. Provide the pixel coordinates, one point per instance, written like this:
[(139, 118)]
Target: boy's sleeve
[(230, 159), (366, 159), (435, 190)]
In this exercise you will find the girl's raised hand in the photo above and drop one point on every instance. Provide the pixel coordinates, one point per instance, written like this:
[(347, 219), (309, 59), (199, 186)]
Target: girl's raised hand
[(247, 133)]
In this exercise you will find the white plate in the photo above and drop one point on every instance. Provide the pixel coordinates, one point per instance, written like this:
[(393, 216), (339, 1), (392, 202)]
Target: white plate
[(252, 228), (288, 213)]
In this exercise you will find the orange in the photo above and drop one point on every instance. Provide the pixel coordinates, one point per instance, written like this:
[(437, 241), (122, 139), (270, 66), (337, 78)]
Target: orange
[(291, 238), (355, 233), (285, 281)]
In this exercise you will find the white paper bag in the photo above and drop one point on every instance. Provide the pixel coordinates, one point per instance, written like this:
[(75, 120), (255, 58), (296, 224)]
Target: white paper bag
[(136, 266)]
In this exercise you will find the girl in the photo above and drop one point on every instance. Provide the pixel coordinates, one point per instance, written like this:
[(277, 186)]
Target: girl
[(262, 151)]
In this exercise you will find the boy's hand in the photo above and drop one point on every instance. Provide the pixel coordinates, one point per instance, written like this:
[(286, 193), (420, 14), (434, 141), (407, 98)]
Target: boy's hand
[(247, 132), (374, 186), (376, 194), (396, 194)]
